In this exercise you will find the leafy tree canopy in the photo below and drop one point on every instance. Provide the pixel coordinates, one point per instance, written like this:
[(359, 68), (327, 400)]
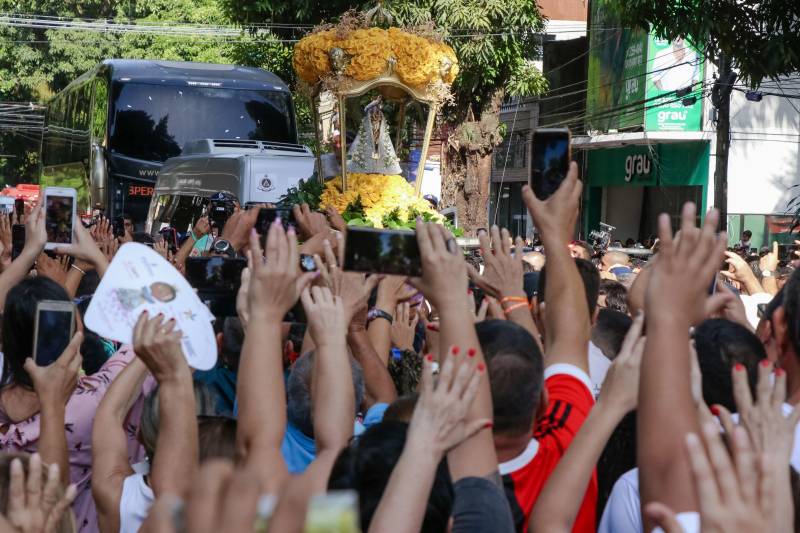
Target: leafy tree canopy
[(762, 39)]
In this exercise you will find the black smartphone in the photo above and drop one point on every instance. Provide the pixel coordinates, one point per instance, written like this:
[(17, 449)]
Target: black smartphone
[(786, 253), (217, 280), (267, 215), (170, 236), (19, 207), (382, 251), (17, 240), (551, 155), (118, 225), (52, 331), (477, 294)]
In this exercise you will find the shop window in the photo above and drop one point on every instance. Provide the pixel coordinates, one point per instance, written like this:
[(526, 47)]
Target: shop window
[(512, 152)]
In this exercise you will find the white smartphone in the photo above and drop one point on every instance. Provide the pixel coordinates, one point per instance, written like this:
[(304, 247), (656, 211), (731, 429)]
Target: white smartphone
[(52, 330), (60, 215)]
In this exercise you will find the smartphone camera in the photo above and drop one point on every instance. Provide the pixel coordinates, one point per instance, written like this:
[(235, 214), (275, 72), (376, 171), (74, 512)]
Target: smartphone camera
[(53, 330), (267, 215), (551, 154), (220, 208), (382, 252), (217, 280)]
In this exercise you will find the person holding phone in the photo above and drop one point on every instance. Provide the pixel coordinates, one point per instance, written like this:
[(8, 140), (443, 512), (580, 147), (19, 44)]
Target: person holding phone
[(27, 420)]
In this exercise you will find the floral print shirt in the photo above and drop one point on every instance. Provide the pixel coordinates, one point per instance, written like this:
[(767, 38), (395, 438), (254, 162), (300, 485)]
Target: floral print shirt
[(78, 421)]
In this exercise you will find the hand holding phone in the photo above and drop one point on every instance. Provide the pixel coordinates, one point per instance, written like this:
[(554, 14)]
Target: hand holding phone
[(53, 329), (267, 215), (551, 156), (60, 215)]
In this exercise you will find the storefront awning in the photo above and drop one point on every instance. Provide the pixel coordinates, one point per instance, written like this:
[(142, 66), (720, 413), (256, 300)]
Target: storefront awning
[(614, 140)]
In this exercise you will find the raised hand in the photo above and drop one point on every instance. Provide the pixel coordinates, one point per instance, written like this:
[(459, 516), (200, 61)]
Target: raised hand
[(275, 284), (502, 272), (202, 227), (741, 273), (326, 316), (84, 248), (404, 327), (50, 268), (353, 288), (5, 241), (444, 270), (734, 495), (685, 267), (242, 305), (335, 219), (55, 383), (309, 223), (162, 249), (238, 228), (439, 422), (35, 230), (158, 345), (621, 386), (555, 217), (33, 508)]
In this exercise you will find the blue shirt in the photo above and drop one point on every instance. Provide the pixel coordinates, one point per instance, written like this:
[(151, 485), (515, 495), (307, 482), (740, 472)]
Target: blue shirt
[(298, 449)]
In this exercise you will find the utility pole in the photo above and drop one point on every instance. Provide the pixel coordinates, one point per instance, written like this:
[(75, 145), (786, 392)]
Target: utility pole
[(721, 98)]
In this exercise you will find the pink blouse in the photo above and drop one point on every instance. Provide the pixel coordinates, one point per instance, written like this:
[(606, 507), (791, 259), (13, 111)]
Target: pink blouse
[(78, 422)]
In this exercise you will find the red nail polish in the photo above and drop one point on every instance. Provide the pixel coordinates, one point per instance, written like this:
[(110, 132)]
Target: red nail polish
[(714, 410), (765, 363), (488, 425), (738, 367), (779, 372), (469, 291), (481, 367), (432, 327), (456, 350), (429, 358), (471, 352)]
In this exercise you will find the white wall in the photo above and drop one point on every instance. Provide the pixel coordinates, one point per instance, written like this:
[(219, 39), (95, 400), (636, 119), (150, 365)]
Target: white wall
[(764, 160)]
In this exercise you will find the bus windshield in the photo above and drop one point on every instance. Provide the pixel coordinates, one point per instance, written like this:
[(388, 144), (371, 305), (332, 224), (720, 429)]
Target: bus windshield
[(152, 122)]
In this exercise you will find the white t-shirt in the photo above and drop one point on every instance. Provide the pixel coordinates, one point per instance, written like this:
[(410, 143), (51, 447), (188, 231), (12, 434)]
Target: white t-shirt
[(136, 499), (623, 514), (598, 368)]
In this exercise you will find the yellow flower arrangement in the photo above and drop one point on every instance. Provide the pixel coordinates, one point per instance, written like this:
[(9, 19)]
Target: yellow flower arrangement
[(380, 194), (418, 59)]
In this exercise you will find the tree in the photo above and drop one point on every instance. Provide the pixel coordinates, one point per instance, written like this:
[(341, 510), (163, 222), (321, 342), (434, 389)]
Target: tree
[(35, 64), (496, 42)]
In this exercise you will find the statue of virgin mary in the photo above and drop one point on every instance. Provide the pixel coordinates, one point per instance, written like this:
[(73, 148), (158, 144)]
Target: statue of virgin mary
[(372, 151)]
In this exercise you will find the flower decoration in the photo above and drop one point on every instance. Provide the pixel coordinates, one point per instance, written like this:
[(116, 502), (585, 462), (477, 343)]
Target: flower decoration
[(379, 195), (417, 60)]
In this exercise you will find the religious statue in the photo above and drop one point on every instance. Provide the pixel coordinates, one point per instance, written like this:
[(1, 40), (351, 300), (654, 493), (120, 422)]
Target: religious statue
[(372, 151)]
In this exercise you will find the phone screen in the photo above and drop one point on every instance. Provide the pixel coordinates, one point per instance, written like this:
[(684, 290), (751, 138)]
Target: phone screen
[(58, 219), (550, 161), (223, 274), (53, 332), (267, 215), (17, 240), (382, 252), (19, 207), (785, 252), (118, 225)]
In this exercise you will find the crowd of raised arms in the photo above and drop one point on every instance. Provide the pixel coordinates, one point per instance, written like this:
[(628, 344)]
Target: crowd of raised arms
[(579, 392)]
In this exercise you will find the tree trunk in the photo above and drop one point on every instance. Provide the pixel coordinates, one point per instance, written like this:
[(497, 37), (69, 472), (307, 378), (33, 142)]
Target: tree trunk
[(467, 177)]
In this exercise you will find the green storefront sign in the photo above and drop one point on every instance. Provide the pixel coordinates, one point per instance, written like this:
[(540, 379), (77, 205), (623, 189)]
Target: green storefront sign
[(654, 165), (633, 78)]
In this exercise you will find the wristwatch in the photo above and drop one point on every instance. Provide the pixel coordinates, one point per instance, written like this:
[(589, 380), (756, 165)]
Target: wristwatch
[(379, 313), (223, 247)]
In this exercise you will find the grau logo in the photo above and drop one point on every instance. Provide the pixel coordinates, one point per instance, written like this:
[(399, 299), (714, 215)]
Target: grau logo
[(636, 165)]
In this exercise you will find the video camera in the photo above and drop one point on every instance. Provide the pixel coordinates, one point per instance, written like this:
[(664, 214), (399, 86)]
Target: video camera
[(601, 239), (220, 208)]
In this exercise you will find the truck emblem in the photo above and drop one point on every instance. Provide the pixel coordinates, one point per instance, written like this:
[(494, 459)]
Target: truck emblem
[(266, 184)]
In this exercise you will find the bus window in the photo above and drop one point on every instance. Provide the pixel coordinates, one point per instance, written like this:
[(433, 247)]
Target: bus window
[(178, 211), (100, 111), (153, 122)]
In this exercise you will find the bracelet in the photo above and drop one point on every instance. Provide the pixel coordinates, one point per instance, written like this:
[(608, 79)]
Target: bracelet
[(514, 307), (523, 299), (380, 313), (78, 269)]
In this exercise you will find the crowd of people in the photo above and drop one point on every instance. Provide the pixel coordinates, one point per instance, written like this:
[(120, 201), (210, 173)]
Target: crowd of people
[(501, 391)]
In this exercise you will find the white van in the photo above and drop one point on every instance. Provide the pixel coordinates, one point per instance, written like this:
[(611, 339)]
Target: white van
[(251, 171)]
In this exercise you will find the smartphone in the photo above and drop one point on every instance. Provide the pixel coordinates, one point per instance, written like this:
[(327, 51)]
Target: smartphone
[(786, 253), (267, 215), (381, 251), (19, 207), (170, 236), (17, 240), (53, 329), (6, 205), (217, 280), (60, 209), (551, 156), (118, 225)]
